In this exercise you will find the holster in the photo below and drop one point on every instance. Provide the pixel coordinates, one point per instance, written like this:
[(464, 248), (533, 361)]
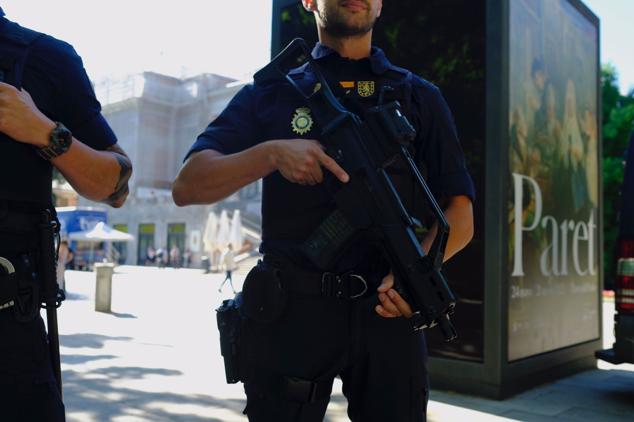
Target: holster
[(19, 250), (231, 328), (262, 301)]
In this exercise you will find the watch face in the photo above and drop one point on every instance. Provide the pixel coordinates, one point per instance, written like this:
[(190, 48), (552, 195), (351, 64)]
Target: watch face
[(62, 136)]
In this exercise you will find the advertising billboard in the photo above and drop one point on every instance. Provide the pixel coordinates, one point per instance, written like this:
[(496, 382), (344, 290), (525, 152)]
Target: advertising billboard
[(553, 178)]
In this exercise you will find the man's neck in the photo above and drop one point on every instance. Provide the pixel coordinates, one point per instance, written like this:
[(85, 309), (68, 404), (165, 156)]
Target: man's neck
[(354, 48)]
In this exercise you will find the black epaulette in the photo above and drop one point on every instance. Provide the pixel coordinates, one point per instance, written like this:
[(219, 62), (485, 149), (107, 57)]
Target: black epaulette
[(15, 42), (19, 35)]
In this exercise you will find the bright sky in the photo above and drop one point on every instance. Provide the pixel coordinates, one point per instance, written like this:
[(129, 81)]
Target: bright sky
[(228, 37), (184, 37), (617, 37)]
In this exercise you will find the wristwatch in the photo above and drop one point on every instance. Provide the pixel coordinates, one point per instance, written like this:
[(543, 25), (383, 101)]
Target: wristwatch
[(60, 138)]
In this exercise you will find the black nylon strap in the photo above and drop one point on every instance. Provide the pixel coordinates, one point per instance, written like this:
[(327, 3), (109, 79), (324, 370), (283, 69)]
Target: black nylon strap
[(289, 388), (304, 391)]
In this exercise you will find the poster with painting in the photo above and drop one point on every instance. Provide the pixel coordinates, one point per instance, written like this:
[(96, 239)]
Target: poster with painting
[(553, 178)]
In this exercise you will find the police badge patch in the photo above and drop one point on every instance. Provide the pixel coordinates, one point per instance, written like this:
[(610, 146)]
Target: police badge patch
[(365, 88), (302, 122)]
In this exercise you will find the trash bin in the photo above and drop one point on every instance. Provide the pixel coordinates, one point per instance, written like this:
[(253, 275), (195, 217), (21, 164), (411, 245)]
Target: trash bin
[(205, 264), (103, 286)]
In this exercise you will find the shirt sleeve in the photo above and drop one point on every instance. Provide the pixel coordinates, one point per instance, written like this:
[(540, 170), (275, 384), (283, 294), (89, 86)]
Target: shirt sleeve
[(234, 130), (75, 105), (441, 153)]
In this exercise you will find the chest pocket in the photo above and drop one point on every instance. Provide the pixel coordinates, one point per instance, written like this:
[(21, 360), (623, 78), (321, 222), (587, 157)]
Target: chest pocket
[(283, 114)]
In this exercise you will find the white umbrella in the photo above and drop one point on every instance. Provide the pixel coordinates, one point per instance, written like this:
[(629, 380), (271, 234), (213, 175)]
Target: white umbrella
[(222, 237), (235, 233), (101, 233), (211, 230)]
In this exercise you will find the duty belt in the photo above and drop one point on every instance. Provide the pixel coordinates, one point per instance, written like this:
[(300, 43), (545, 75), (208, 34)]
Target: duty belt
[(347, 285)]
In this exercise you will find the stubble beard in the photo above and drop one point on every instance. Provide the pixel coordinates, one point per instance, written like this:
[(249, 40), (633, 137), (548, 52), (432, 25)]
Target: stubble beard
[(335, 24)]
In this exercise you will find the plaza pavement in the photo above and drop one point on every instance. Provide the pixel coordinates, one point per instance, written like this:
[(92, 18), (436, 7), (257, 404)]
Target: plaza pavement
[(155, 358)]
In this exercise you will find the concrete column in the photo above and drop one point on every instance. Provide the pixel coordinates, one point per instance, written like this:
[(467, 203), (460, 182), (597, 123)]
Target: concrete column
[(103, 287)]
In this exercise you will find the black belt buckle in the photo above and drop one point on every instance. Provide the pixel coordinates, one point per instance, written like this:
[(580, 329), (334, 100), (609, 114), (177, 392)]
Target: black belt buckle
[(6, 268), (362, 280), (340, 286), (331, 285)]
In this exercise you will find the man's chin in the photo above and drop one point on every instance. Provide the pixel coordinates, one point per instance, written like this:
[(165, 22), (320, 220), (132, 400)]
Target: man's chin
[(354, 27)]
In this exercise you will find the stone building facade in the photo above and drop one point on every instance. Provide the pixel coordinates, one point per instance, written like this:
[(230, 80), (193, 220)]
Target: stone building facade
[(156, 119)]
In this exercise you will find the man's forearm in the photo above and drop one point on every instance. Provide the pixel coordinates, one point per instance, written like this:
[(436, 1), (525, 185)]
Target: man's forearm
[(459, 215), (209, 176), (97, 175)]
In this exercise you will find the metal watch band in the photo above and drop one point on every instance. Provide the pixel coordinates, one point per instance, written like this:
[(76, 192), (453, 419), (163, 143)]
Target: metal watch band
[(60, 138)]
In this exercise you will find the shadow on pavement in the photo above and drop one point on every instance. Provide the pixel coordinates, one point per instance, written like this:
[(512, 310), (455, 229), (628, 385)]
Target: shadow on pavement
[(123, 315), (82, 359), (93, 341), (99, 399), (75, 296), (591, 395)]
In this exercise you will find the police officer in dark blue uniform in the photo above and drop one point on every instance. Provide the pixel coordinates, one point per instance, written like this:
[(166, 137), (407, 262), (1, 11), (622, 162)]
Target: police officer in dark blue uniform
[(301, 337), (49, 117)]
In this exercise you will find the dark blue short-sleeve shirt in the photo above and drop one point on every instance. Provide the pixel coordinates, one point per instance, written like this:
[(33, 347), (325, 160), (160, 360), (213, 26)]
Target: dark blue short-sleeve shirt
[(261, 112), (54, 76), (56, 79)]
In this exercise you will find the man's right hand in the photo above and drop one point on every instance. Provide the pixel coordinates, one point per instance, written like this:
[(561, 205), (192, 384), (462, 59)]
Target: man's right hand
[(300, 161)]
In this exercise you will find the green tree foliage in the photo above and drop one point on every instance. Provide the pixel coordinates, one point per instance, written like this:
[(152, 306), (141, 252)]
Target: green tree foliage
[(618, 124)]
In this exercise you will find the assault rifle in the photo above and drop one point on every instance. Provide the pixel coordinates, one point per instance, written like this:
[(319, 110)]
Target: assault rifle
[(369, 201)]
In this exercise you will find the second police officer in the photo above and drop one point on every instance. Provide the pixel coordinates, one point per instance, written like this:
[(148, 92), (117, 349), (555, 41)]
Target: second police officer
[(267, 132), (49, 118)]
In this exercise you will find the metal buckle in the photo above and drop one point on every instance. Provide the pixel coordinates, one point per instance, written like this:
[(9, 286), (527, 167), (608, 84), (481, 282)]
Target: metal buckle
[(8, 269), (365, 285), (332, 285)]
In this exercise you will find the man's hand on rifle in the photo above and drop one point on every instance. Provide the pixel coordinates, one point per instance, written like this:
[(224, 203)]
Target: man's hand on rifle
[(392, 304), (301, 161)]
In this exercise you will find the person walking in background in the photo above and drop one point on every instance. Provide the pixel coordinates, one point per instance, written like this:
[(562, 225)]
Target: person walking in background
[(161, 257), (229, 263), (150, 256), (64, 256), (175, 256), (187, 258)]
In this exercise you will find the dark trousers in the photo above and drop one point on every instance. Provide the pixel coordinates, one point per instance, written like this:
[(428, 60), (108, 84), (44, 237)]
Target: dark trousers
[(28, 391), (380, 361)]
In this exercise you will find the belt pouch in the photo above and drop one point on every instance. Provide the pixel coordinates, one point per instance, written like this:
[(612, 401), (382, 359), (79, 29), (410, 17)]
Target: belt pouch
[(264, 298)]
